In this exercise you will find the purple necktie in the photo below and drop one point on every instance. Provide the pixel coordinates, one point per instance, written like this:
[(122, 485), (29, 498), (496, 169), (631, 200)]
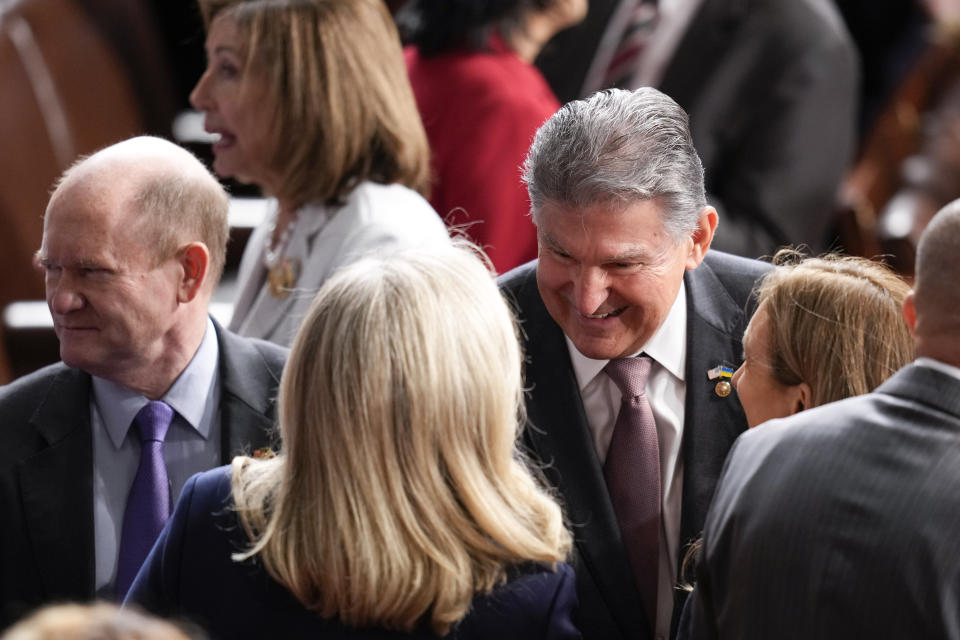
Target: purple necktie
[(148, 505), (632, 471)]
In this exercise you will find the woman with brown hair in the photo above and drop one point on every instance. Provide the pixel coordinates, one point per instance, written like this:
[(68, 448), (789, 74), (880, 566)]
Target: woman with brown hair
[(399, 503), (825, 329), (311, 102)]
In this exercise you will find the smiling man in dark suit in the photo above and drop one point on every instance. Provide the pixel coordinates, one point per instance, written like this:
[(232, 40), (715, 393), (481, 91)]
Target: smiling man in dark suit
[(625, 270), (842, 521), (133, 245)]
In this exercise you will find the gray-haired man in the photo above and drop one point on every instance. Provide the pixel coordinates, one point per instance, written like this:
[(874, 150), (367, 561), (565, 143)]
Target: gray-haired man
[(624, 270)]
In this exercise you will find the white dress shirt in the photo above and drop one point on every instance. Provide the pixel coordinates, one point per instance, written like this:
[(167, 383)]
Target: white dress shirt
[(666, 392)]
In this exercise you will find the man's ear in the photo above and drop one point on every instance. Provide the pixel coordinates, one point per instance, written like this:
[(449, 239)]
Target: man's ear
[(702, 236), (910, 311), (194, 260)]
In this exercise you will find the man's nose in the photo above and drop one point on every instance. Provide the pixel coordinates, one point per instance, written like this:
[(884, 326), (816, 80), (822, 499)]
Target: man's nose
[(591, 290), (63, 297)]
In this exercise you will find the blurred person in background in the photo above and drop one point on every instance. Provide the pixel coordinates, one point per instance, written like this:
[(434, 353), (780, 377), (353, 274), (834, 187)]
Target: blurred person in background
[(772, 90), (311, 103), (481, 101)]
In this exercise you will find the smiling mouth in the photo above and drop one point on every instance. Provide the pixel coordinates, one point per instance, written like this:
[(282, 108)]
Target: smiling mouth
[(601, 316)]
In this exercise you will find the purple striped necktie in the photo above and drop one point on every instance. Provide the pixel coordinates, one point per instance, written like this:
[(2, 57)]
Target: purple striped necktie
[(632, 472), (148, 504)]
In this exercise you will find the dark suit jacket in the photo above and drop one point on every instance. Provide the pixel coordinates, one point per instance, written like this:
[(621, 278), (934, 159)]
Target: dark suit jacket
[(771, 88), (841, 521), (189, 573), (718, 309), (46, 468)]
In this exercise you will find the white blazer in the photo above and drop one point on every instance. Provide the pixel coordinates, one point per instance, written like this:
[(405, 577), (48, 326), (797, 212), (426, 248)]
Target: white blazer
[(375, 218)]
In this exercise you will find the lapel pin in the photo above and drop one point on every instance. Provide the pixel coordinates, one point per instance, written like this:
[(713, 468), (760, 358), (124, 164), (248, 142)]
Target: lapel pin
[(724, 373)]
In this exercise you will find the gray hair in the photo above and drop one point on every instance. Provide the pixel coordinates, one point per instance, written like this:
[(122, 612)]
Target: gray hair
[(618, 147)]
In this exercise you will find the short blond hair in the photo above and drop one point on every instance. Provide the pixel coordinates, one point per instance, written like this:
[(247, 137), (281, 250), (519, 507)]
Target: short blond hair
[(835, 322), (344, 111), (400, 492), (176, 197)]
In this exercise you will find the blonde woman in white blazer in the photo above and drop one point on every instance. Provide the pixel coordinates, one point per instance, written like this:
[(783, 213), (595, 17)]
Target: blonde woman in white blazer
[(311, 102)]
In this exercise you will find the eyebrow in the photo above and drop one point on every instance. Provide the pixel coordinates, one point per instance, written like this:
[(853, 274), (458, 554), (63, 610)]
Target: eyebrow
[(629, 256), (223, 49), (549, 240)]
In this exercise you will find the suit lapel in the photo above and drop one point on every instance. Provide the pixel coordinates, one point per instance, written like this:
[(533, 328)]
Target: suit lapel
[(246, 402), (559, 436), (57, 488), (715, 324)]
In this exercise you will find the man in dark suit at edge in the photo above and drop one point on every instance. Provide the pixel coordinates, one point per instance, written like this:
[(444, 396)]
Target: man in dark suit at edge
[(842, 521), (624, 269), (134, 243)]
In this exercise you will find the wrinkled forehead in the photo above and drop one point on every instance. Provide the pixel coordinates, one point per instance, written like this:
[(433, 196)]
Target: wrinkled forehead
[(639, 223)]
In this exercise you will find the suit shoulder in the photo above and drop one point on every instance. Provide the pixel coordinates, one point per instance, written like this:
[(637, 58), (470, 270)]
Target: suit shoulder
[(519, 281), (274, 355), (739, 275), (248, 351), (25, 393), (536, 601), (210, 491), (57, 386), (727, 265)]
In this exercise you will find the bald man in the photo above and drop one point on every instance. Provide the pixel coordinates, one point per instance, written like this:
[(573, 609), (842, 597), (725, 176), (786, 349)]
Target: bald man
[(133, 245), (842, 521)]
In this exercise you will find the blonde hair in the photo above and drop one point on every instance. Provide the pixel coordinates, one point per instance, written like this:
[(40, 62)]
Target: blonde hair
[(835, 322), (399, 491), (343, 109)]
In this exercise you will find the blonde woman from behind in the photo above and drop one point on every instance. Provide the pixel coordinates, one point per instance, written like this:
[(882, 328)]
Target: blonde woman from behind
[(399, 505)]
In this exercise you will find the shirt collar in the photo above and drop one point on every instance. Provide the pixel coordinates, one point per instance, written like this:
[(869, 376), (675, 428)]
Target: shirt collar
[(118, 405), (667, 346)]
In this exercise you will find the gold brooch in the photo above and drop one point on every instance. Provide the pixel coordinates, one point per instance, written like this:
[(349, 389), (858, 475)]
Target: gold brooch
[(282, 276)]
